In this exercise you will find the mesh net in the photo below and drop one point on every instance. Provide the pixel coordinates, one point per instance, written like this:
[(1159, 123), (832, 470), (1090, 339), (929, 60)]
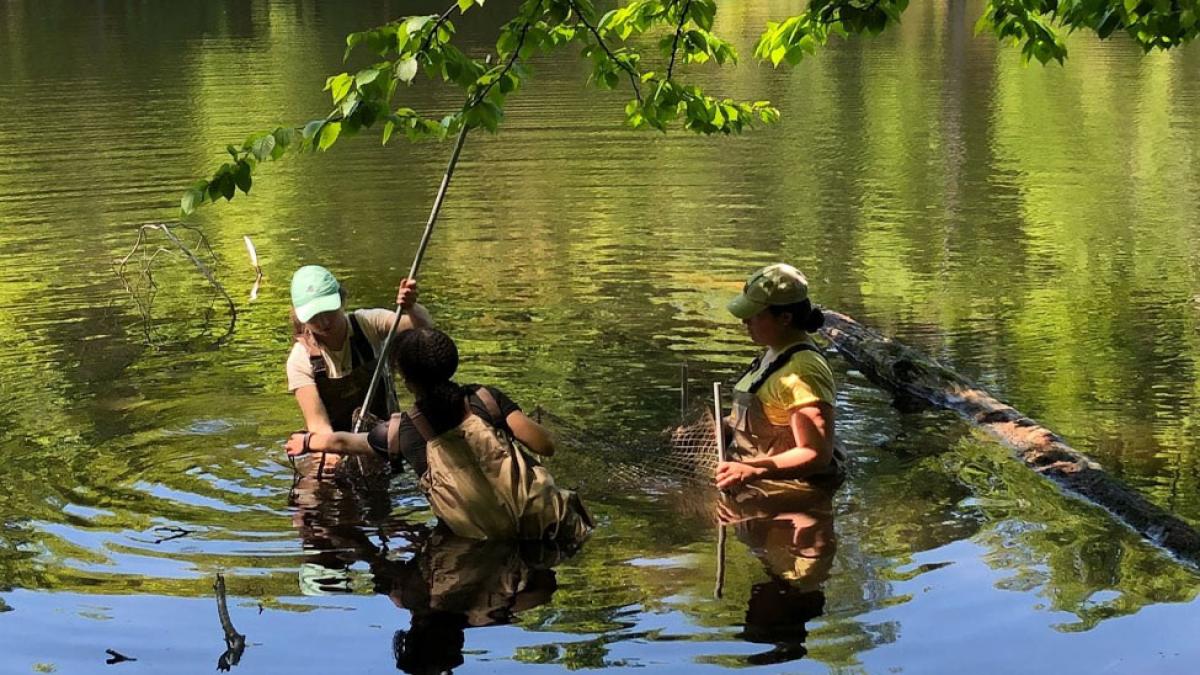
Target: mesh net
[(683, 453)]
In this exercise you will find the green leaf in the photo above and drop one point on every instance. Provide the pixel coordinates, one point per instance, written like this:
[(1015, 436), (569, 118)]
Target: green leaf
[(312, 129), (329, 135), (366, 76), (352, 41), (388, 128), (380, 41), (464, 5), (283, 138), (241, 177), (227, 187), (339, 86), (191, 199), (263, 146), (507, 42), (406, 70), (349, 104)]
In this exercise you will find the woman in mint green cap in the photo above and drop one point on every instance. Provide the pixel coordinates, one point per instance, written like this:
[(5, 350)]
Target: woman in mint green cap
[(334, 355), (783, 414)]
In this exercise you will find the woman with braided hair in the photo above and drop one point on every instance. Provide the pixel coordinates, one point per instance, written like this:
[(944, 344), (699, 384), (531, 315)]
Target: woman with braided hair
[(459, 440)]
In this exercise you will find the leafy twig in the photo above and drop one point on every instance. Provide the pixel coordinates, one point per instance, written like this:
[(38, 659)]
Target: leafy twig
[(512, 59), (633, 76), (687, 4)]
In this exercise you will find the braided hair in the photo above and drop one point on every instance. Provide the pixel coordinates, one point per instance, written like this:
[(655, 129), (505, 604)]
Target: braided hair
[(427, 358)]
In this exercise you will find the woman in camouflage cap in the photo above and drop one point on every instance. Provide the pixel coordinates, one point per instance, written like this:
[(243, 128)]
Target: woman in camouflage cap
[(783, 408)]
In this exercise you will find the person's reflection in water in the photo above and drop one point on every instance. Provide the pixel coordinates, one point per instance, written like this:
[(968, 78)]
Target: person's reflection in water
[(447, 583), (332, 520), (790, 529), (453, 584)]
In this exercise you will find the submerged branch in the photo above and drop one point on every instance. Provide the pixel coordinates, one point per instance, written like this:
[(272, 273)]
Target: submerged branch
[(145, 305), (235, 642)]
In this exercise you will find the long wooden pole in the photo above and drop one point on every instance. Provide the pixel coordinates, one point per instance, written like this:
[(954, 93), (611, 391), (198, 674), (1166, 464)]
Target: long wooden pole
[(381, 361)]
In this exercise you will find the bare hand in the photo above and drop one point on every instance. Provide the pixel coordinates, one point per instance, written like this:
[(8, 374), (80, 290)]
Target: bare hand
[(406, 295), (732, 474), (296, 445)]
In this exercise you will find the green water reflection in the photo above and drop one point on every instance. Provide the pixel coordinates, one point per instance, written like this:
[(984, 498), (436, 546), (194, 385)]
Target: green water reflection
[(1031, 227)]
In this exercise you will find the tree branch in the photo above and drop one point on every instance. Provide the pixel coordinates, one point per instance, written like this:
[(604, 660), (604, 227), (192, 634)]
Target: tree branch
[(512, 60), (678, 31), (633, 76), (442, 18)]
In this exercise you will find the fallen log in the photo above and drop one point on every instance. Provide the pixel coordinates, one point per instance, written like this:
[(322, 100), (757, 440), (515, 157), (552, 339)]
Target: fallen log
[(908, 372)]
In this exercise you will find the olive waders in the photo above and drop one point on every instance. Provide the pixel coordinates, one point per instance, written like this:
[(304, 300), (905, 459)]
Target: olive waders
[(483, 487)]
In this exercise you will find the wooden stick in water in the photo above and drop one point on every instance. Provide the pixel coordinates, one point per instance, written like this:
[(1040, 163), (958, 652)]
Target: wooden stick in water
[(719, 590)]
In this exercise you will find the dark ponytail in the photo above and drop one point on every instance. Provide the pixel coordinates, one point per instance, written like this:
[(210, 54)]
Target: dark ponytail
[(804, 316), (427, 358)]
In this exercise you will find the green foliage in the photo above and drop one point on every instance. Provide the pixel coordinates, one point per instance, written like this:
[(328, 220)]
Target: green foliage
[(613, 45), (1037, 25), (798, 36)]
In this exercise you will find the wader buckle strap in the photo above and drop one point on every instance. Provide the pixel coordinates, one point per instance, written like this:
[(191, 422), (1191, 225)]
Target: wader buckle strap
[(490, 404), (315, 358), (421, 424), (779, 362)]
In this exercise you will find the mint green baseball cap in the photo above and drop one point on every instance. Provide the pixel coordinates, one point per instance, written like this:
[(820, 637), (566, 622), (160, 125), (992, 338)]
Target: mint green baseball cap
[(778, 284), (314, 290)]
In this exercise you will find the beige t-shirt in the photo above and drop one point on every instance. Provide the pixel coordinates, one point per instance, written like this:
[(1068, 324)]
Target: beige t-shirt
[(375, 323)]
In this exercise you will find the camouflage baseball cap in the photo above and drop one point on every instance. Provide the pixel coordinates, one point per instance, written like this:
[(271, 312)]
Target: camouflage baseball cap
[(778, 284)]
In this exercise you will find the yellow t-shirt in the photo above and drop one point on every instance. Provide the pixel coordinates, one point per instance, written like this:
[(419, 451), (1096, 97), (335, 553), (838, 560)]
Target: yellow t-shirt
[(805, 379)]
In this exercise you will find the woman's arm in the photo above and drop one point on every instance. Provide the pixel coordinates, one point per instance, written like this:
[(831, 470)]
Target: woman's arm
[(415, 315), (812, 429), (531, 434), (316, 419), (334, 443)]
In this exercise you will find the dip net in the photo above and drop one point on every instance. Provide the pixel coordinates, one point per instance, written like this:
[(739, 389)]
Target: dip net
[(684, 453)]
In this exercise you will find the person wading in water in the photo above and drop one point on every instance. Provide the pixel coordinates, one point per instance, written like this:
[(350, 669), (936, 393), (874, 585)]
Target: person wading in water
[(459, 441), (783, 416), (330, 365)]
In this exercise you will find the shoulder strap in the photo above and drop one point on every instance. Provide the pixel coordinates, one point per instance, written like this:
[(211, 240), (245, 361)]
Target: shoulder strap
[(422, 425), (490, 404), (360, 348), (315, 357), (779, 362), (393, 433)]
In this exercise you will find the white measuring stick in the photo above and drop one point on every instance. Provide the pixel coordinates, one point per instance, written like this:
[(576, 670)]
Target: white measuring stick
[(717, 426)]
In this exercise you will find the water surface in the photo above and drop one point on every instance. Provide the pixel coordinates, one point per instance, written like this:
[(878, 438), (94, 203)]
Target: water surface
[(1032, 227)]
